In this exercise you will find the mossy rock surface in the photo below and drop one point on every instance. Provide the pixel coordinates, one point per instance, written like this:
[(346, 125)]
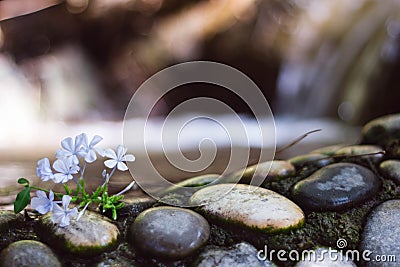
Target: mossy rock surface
[(7, 218), (91, 235)]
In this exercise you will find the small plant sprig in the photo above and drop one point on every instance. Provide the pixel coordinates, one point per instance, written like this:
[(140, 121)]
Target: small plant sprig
[(71, 163)]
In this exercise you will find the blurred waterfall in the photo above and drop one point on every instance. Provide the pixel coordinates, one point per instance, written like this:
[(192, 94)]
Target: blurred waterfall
[(340, 67)]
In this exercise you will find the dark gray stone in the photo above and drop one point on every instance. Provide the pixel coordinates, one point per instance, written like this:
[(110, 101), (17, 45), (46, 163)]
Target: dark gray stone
[(179, 194), (169, 232), (381, 233), (336, 187), (92, 234), (317, 160), (197, 181), (135, 205), (263, 172), (239, 255), (362, 151), (27, 253), (381, 130), (328, 150), (391, 169)]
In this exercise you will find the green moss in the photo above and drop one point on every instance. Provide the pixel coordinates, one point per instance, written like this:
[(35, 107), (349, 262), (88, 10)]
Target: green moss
[(60, 242), (7, 218)]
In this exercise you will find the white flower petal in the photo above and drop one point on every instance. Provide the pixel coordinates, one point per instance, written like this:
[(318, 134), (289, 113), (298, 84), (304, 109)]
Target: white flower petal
[(67, 144), (57, 214), (122, 166), (79, 139), (128, 157), (62, 153), (121, 150), (73, 212), (58, 177), (59, 165), (41, 194), (96, 139), (44, 163), (73, 169), (51, 195), (109, 153), (90, 156), (74, 159), (65, 201), (64, 221), (42, 205), (110, 163)]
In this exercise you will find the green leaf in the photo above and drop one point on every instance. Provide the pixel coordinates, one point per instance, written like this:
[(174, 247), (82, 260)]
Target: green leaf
[(23, 181), (22, 200), (119, 205), (114, 213), (97, 192)]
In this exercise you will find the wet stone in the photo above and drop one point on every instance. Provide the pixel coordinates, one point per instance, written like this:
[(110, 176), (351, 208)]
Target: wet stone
[(279, 170), (336, 187), (263, 172), (382, 130), (92, 234), (133, 206), (27, 253), (179, 194), (361, 151), (239, 255), (249, 206), (328, 150), (391, 169), (169, 232), (381, 233), (198, 181), (317, 160), (7, 217), (326, 257)]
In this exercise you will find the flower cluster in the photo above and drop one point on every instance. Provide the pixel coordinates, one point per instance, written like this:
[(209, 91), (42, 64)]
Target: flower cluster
[(70, 164)]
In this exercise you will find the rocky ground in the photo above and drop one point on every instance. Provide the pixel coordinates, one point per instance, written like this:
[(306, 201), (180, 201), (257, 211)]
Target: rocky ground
[(334, 203)]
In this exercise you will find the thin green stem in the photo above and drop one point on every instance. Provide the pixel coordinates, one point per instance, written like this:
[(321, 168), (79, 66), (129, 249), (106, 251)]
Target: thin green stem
[(67, 190)]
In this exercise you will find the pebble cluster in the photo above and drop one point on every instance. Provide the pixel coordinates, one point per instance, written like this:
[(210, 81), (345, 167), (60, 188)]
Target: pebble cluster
[(326, 206)]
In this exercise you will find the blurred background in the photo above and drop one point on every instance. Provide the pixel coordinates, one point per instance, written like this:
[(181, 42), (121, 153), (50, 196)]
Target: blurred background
[(72, 66)]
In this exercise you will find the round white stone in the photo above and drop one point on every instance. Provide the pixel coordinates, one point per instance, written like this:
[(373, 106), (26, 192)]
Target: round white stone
[(248, 205)]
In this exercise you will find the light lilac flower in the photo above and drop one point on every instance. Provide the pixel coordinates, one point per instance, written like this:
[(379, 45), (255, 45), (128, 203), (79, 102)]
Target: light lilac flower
[(43, 170), (41, 203), (116, 159), (65, 168), (88, 150), (71, 149), (63, 215)]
